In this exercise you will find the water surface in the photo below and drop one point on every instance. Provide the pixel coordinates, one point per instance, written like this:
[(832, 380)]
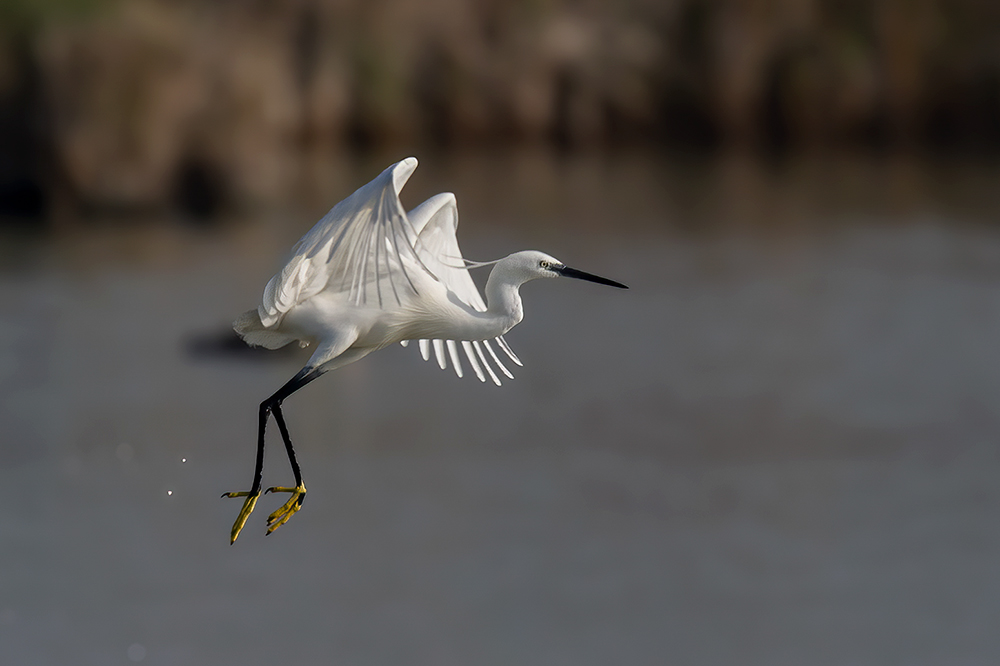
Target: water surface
[(779, 447)]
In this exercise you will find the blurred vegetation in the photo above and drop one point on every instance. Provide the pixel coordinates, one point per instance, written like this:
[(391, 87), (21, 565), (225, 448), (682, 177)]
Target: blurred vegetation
[(147, 103), (18, 17)]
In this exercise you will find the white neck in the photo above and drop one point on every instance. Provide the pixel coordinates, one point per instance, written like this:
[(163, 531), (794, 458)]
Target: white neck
[(502, 314), (503, 298)]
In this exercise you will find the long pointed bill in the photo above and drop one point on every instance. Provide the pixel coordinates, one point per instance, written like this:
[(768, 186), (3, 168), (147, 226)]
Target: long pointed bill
[(566, 271)]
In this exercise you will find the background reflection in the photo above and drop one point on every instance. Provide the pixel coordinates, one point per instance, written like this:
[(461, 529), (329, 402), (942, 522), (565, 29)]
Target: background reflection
[(777, 448)]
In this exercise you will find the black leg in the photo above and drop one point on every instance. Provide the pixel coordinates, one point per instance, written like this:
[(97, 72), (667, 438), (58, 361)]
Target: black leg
[(258, 471), (269, 406), (280, 419), (273, 405)]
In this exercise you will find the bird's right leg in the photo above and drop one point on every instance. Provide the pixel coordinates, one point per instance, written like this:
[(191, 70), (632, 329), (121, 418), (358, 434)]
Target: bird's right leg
[(254, 493)]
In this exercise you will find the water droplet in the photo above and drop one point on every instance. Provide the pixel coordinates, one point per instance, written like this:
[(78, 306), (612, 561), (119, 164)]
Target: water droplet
[(170, 492), (136, 652), (184, 460)]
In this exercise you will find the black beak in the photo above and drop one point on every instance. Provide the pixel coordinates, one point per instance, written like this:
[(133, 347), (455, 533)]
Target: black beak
[(566, 271)]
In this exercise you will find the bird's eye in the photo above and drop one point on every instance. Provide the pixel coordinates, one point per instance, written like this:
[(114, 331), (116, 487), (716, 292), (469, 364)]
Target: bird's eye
[(544, 264)]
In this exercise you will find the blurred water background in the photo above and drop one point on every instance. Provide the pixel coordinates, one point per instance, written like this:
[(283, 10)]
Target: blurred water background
[(779, 447)]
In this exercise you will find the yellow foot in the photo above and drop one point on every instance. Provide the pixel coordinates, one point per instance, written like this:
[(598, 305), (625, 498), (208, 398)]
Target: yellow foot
[(286, 510), (245, 512)]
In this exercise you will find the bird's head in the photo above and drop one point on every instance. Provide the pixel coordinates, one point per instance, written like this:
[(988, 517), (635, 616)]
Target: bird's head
[(532, 264)]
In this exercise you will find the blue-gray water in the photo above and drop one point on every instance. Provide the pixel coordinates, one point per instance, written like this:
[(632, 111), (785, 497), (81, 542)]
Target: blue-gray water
[(779, 447)]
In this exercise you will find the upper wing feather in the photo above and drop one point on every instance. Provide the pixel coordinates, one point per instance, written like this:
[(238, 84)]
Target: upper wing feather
[(364, 248)]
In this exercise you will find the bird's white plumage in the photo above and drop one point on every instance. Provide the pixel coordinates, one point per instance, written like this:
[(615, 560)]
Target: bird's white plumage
[(362, 247), (369, 253), (369, 275)]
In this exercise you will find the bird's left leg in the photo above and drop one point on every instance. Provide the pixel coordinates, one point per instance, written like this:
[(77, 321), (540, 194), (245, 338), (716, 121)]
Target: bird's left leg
[(298, 493)]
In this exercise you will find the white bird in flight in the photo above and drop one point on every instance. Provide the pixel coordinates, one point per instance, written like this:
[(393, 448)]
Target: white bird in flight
[(368, 275)]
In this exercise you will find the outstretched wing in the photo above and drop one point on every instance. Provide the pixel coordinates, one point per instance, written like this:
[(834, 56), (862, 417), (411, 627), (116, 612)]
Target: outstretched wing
[(364, 247), (436, 224), (368, 249)]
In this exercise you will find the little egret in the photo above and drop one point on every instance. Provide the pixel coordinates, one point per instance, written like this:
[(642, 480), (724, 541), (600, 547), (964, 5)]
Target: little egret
[(368, 275)]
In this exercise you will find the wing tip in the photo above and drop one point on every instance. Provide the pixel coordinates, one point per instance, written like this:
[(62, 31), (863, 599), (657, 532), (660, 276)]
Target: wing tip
[(401, 172)]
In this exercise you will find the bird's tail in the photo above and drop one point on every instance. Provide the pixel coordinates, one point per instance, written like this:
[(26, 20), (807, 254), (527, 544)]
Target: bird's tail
[(250, 328)]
